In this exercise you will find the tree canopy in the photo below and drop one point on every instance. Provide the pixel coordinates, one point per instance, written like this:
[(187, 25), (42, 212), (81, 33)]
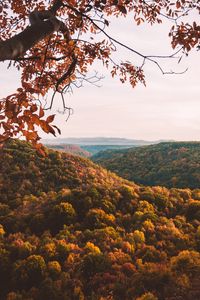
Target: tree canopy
[(53, 44), (70, 229)]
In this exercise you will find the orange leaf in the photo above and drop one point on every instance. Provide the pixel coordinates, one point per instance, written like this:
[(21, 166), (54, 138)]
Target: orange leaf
[(35, 119), (31, 135), (33, 108), (50, 118), (41, 112), (9, 114), (47, 128)]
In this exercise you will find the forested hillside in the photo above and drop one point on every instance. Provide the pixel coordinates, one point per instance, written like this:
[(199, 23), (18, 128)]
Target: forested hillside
[(174, 164), (71, 230)]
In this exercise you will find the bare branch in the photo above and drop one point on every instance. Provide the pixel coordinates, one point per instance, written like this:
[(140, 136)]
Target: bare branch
[(113, 40), (68, 73)]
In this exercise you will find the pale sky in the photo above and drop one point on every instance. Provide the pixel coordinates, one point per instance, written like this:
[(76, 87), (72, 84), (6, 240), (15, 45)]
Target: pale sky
[(167, 108)]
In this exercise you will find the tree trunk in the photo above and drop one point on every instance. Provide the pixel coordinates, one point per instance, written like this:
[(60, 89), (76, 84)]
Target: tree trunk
[(20, 43), (16, 46)]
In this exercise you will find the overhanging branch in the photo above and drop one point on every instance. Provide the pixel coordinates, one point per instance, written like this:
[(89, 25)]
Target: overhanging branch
[(43, 24)]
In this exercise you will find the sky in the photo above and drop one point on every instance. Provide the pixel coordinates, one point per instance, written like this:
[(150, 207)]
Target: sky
[(167, 108)]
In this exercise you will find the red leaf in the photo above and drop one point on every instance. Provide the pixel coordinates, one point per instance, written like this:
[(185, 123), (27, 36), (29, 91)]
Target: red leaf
[(50, 118), (178, 4)]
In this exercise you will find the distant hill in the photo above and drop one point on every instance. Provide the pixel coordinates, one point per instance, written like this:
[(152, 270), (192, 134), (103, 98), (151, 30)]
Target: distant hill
[(71, 230), (174, 164), (93, 145), (97, 141), (73, 149), (85, 150), (93, 149)]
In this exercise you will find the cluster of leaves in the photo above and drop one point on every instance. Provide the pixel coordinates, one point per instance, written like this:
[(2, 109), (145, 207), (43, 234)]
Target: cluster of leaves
[(61, 60), (26, 114), (91, 235), (174, 164)]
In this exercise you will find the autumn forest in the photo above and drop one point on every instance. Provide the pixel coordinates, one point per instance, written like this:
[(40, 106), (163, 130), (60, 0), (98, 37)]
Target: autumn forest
[(73, 230), (105, 221)]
